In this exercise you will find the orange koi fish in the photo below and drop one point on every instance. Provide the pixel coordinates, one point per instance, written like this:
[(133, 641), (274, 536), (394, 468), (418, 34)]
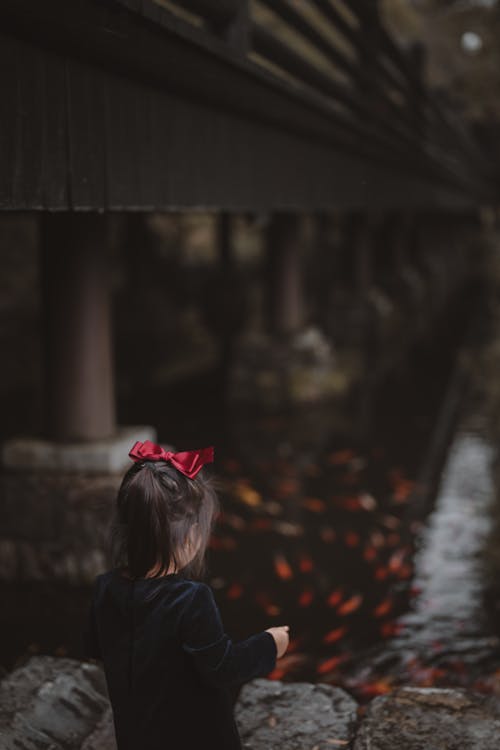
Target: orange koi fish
[(405, 571), (352, 538), (246, 493), (329, 664), (334, 598), (287, 487), (314, 504), (334, 635), (261, 524), (369, 553), (390, 628), (306, 598), (383, 608), (237, 522), (396, 560), (327, 534), (234, 591), (276, 674), (351, 605), (381, 573), (281, 566), (341, 457), (305, 564), (393, 539), (378, 687)]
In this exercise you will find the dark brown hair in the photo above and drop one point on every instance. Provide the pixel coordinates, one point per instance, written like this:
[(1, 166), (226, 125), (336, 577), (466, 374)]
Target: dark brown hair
[(156, 508)]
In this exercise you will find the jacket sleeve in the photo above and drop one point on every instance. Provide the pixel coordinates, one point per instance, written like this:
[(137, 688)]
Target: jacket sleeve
[(220, 661), (90, 636)]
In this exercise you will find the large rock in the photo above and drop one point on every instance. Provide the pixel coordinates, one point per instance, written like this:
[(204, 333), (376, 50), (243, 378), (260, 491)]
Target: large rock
[(54, 703), (430, 719), (51, 703), (294, 716)]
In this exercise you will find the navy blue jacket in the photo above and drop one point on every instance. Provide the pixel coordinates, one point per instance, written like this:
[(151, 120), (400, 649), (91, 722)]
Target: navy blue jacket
[(168, 662)]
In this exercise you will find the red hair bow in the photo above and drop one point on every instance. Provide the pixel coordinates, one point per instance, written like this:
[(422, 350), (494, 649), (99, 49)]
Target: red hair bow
[(187, 462)]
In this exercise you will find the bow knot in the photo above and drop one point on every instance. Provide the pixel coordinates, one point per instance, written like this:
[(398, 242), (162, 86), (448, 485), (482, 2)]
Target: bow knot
[(187, 462)]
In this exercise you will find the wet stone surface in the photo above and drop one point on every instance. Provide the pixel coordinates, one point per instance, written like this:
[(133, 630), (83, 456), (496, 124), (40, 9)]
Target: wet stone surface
[(430, 719), (294, 715), (51, 703)]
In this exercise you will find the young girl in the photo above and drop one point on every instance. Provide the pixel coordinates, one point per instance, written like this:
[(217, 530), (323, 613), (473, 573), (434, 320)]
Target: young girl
[(155, 625)]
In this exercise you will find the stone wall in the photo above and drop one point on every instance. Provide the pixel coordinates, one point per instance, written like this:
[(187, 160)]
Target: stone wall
[(53, 525)]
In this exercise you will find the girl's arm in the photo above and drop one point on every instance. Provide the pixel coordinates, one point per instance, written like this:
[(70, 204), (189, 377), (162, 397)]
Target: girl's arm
[(216, 657)]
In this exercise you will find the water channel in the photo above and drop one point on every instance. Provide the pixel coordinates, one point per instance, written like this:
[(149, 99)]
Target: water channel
[(320, 530)]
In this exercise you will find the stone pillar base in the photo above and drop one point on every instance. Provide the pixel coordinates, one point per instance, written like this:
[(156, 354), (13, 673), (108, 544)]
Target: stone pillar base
[(56, 504), (108, 455)]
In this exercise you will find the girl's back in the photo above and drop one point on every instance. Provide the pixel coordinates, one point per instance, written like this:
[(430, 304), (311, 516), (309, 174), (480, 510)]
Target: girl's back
[(168, 662)]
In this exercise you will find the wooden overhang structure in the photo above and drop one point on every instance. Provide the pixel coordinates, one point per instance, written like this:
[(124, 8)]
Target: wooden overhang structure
[(274, 105), (137, 104)]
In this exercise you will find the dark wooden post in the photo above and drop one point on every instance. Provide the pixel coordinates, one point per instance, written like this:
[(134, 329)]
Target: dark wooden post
[(286, 297), (79, 388)]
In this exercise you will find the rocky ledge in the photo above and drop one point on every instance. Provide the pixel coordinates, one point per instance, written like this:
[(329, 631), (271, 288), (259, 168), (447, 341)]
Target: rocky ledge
[(52, 703)]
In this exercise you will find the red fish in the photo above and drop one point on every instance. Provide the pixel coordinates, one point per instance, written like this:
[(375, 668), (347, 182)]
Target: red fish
[(334, 598), (262, 524), (396, 560), (341, 457), (314, 504), (234, 591), (305, 564), (327, 534), (352, 538), (351, 605), (383, 608), (329, 664), (281, 566), (287, 487), (390, 628), (306, 598), (381, 573), (377, 687), (334, 635), (369, 553)]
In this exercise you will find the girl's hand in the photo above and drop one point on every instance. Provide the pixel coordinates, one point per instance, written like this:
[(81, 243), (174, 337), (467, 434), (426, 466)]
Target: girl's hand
[(280, 635)]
